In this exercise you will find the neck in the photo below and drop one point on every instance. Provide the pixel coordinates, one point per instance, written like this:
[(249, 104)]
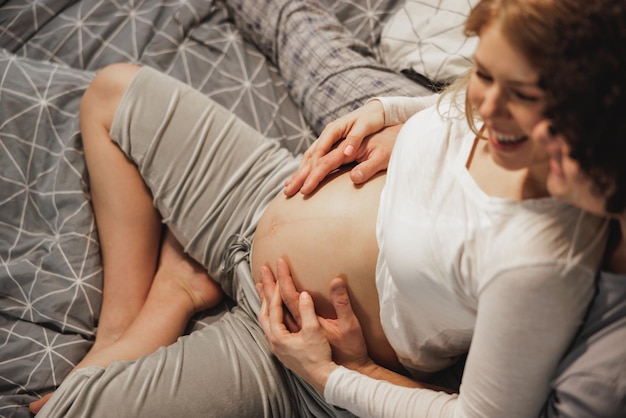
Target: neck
[(535, 185), (494, 180)]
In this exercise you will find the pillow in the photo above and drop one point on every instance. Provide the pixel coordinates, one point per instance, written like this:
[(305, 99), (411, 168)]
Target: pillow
[(426, 36)]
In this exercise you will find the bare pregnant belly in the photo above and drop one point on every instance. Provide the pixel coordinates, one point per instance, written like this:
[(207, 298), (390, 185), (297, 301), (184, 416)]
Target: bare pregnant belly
[(326, 235)]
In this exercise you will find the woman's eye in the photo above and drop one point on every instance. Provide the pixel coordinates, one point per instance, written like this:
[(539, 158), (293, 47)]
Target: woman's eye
[(527, 97), (483, 76)]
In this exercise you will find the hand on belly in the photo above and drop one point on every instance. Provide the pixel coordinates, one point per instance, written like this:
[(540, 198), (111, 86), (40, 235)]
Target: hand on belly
[(329, 234)]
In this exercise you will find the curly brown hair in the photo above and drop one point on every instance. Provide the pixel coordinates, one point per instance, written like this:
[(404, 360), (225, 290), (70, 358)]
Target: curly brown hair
[(585, 87)]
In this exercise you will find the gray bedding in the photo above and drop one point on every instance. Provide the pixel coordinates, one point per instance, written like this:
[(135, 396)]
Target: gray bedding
[(50, 271)]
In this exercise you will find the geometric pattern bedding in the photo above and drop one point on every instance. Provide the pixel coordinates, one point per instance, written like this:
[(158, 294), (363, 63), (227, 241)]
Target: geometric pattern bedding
[(50, 271), (427, 37)]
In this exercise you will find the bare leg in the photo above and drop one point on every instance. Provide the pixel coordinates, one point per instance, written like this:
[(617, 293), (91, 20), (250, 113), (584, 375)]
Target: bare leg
[(181, 287), (129, 227)]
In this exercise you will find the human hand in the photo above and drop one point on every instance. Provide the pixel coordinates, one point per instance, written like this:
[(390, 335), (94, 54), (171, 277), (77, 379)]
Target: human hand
[(306, 352), (344, 332), (288, 292), (356, 137)]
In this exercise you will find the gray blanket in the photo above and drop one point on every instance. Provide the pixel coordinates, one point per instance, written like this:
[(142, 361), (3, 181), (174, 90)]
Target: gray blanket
[(50, 270)]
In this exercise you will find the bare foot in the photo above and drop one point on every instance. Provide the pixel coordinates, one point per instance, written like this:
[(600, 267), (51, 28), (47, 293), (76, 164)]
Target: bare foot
[(36, 406), (181, 272), (180, 285)]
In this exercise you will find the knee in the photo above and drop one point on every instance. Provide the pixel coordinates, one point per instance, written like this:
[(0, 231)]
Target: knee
[(104, 93)]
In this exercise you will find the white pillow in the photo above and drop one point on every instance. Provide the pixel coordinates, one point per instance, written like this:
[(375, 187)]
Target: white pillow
[(427, 37)]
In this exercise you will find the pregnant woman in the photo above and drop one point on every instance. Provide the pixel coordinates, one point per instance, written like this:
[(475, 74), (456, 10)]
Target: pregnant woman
[(460, 236)]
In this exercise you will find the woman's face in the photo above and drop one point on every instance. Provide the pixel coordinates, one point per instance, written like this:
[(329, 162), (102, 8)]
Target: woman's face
[(504, 89), (565, 180)]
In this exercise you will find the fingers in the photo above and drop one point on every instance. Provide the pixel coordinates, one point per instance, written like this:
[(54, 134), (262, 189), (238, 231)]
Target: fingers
[(295, 182), (374, 157), (275, 307), (266, 289), (272, 300), (362, 129), (325, 156), (264, 316), (377, 162), (265, 296), (268, 283), (289, 295), (272, 316), (288, 291), (341, 300), (323, 167), (364, 171), (36, 406), (314, 169), (307, 312)]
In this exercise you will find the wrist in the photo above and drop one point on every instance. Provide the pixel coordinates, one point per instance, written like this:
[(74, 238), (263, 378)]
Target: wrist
[(319, 378), (378, 107), (364, 366)]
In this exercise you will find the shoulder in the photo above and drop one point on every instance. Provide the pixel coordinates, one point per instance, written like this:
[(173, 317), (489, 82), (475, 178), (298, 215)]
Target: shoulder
[(441, 126), (545, 248), (552, 231)]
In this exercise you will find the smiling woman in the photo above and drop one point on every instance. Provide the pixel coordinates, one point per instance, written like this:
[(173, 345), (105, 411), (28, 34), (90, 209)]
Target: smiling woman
[(505, 93), (463, 247), (491, 272)]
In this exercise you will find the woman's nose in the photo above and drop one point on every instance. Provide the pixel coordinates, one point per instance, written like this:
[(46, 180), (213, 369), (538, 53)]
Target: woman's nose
[(493, 103)]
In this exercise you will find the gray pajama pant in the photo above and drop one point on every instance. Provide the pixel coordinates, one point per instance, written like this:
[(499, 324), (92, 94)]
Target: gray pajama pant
[(328, 71), (211, 177)]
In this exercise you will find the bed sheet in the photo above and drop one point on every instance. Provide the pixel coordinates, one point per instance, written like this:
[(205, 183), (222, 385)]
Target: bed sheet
[(50, 269)]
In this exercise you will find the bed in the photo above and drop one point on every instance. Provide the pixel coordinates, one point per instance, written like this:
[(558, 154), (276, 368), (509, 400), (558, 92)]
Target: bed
[(50, 270)]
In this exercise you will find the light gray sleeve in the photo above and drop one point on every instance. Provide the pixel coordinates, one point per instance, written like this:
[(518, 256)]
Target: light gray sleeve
[(525, 321), (399, 109)]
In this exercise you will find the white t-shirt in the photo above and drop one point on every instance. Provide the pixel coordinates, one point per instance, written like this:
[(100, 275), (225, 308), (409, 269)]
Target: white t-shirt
[(458, 266)]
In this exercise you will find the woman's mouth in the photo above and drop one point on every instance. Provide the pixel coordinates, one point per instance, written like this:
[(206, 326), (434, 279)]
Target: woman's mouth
[(506, 142)]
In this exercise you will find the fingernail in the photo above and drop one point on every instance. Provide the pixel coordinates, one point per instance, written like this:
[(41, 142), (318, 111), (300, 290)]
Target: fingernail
[(349, 150)]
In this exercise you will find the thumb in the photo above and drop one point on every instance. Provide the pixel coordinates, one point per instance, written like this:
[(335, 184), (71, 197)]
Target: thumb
[(365, 170)]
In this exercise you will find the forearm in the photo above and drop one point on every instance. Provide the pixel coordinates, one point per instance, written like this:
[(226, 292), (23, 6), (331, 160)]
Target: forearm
[(365, 396), (399, 109), (372, 370), (378, 372)]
